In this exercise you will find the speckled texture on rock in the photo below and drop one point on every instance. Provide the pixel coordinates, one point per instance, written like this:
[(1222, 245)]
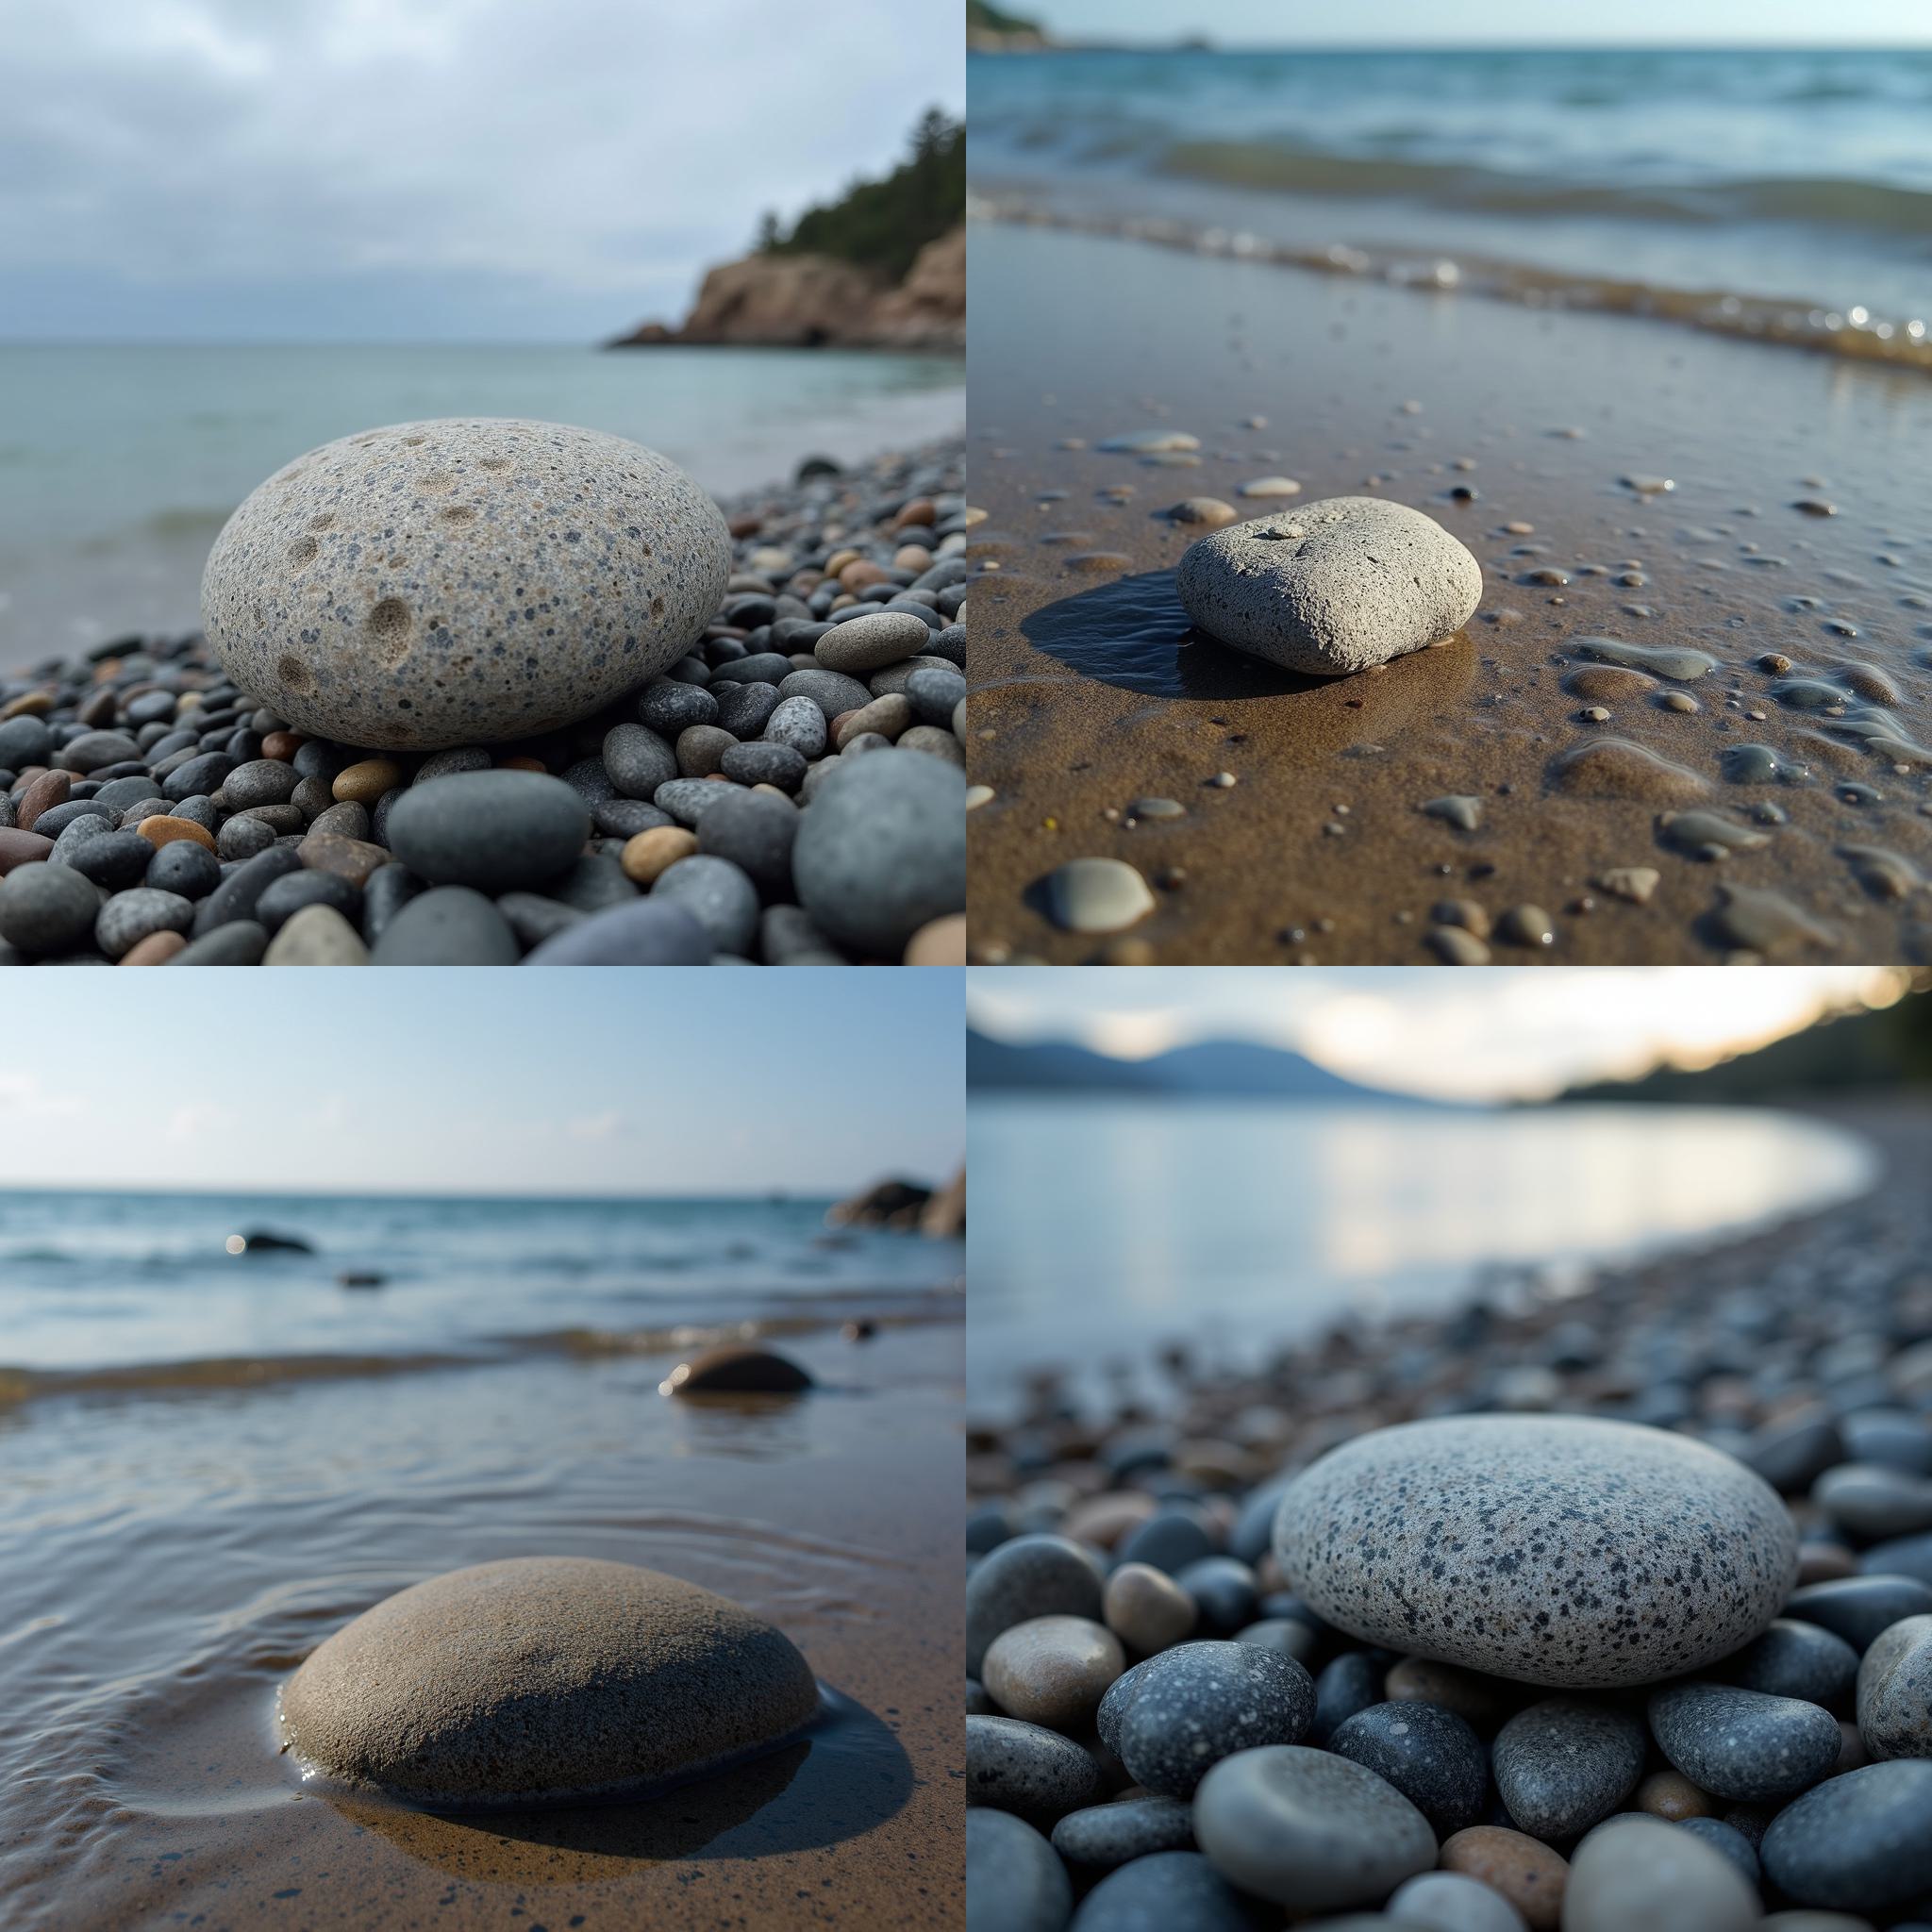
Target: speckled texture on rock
[(1743, 1745), (1185, 1709), (1428, 1754), (1895, 1691), (543, 1677), (1103, 1836), (1309, 1830), (1332, 587), (461, 581), (1553, 1550), (1566, 1764)]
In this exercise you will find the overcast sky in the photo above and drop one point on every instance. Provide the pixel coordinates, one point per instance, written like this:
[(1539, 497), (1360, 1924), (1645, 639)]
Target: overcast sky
[(428, 170), (1510, 1032), (481, 1081), (1488, 22)]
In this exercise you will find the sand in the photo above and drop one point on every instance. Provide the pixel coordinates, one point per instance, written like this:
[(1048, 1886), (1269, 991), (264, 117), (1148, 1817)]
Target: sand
[(1302, 837)]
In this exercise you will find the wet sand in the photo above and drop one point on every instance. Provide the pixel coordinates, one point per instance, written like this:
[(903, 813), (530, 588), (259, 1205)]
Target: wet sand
[(1302, 836), (168, 1556)]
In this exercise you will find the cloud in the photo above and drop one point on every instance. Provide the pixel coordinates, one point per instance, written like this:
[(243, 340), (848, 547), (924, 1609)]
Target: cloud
[(593, 155), (597, 1126), (26, 1098), (194, 1117)]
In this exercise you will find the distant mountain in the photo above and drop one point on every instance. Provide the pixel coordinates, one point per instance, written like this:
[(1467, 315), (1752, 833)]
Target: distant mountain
[(1221, 1069)]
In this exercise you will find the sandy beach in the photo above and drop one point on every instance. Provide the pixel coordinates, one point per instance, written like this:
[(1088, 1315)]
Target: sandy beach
[(1302, 834)]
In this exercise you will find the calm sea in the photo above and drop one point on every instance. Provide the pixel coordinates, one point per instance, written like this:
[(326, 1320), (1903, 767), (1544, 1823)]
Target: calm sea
[(1799, 176), (1104, 1228), (118, 465)]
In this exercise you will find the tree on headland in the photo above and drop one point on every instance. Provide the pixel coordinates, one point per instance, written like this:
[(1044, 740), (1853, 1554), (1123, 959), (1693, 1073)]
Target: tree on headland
[(883, 225)]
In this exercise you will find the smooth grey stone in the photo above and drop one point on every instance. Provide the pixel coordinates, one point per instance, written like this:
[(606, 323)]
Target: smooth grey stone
[(1103, 1836), (1743, 1745), (625, 818), (756, 667), (934, 693), (1190, 1706), (199, 811), (445, 764), (1028, 1769), (184, 867), (90, 750), (114, 859), (59, 818), (786, 937), (1331, 587), (759, 763), (1894, 1438), (1732, 1842), (261, 782), (744, 709), (1861, 1842), (882, 851), (316, 935), (1554, 1550), (47, 909), (1894, 1690), (1345, 1685), (349, 818), (595, 881), (1096, 895), (1014, 1883), (286, 896), (717, 895), (1901, 1555), (755, 832), (1566, 1764), (667, 707), (1794, 1660), (688, 799), (498, 831), (1640, 1870), (118, 795), (799, 723), (24, 741), (1309, 1830), (1450, 1902), (870, 640), (385, 892), (535, 918), (1225, 1593), (197, 776), (1873, 1500), (130, 917), (240, 943), (832, 692), (638, 761), (1025, 1577), (646, 932), (1858, 1607), (1163, 1891), (1429, 1755), (450, 926)]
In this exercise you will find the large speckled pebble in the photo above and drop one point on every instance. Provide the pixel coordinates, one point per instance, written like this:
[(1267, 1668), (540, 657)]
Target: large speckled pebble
[(1028, 1769), (498, 831), (1428, 1754), (1861, 1842), (1550, 1549), (1309, 1830), (1895, 1691), (543, 1677), (1174, 1716), (461, 581), (1165, 1891), (1013, 1881), (1028, 1577), (1642, 1871), (1567, 1763), (1334, 587), (882, 851), (1746, 1745)]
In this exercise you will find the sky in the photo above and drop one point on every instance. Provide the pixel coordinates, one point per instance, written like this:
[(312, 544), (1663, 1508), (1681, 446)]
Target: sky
[(479, 1081), (1493, 22), (428, 170), (1504, 1033)]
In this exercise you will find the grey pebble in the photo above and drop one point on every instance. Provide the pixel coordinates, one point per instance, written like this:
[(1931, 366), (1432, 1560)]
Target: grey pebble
[(646, 932), (1566, 1764), (128, 918), (1794, 1660), (497, 830), (1028, 1769), (1861, 1842), (1103, 1836), (1164, 1891), (1014, 1883), (1744, 1744), (46, 909), (451, 925), (1025, 1577), (1895, 1692), (1430, 1756)]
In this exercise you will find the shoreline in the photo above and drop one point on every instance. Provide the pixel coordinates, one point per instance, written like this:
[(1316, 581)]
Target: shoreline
[(1302, 834)]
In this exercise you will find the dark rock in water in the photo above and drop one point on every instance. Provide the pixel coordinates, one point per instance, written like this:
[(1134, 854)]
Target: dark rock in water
[(1167, 1890), (545, 1678), (1014, 1883), (731, 1369), (360, 1279), (258, 1241), (1858, 1843), (885, 1204)]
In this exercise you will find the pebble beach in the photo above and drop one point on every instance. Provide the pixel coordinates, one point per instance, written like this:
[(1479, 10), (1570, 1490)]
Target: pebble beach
[(1588, 1604), (784, 788)]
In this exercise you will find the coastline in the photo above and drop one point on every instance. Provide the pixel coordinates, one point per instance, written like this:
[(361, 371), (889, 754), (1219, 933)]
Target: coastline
[(1315, 847)]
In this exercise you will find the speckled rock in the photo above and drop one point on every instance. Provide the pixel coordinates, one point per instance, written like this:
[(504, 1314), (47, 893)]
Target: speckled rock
[(541, 1677), (1309, 1830), (1861, 1842), (1895, 1691), (461, 581), (1171, 1718), (1028, 1769), (1642, 1871), (1028, 1577), (1013, 1881), (1567, 1763), (1331, 587), (1103, 1836), (1550, 1549), (1165, 1891), (1743, 1745), (1428, 1754)]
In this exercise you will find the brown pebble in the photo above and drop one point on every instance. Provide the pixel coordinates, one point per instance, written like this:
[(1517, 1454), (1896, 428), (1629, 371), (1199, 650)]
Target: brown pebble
[(1826, 1562), (353, 860), (1527, 1873), (1671, 1795), (1052, 1671), (649, 855), (366, 781), (939, 943), (920, 510), (700, 747), (1483, 1701), (49, 790), (20, 848), (1146, 1608), (163, 829), (282, 745), (155, 950), (522, 764), (29, 704), (1105, 1519)]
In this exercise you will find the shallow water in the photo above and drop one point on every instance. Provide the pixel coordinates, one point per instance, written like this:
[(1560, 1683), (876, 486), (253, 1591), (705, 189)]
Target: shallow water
[(119, 464), (171, 1550), (1105, 1229)]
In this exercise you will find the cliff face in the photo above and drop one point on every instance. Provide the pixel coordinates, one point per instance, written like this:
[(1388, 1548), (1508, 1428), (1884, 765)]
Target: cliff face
[(810, 300)]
